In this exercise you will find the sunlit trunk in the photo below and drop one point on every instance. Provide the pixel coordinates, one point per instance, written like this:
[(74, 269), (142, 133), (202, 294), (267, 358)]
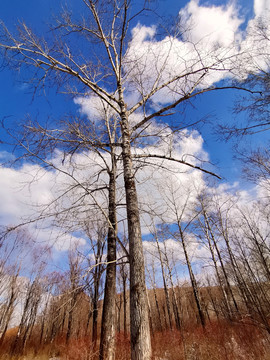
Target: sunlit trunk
[(139, 319)]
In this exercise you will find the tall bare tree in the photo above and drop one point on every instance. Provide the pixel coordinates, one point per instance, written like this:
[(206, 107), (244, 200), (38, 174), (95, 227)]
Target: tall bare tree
[(122, 69)]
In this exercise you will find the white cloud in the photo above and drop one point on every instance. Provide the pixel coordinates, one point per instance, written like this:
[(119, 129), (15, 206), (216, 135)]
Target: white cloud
[(29, 192), (94, 107), (213, 32), (172, 253), (261, 7), (36, 194), (6, 156), (211, 39), (15, 190), (161, 181), (211, 25)]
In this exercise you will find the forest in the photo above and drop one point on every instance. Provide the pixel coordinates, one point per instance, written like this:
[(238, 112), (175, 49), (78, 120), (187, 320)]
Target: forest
[(122, 240)]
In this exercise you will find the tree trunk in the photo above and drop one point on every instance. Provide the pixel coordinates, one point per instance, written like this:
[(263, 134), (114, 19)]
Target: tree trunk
[(125, 304), (158, 310), (166, 291), (70, 314), (210, 236), (139, 320), (107, 340), (9, 310), (192, 279), (174, 299), (95, 311), (90, 313)]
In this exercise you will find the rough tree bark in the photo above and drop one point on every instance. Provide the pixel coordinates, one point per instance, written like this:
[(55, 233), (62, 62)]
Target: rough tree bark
[(139, 319), (107, 340)]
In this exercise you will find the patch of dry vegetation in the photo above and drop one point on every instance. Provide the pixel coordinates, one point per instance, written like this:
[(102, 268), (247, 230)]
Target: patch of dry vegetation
[(219, 341)]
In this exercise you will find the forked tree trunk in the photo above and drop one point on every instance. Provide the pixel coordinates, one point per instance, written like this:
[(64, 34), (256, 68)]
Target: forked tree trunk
[(108, 324), (139, 320)]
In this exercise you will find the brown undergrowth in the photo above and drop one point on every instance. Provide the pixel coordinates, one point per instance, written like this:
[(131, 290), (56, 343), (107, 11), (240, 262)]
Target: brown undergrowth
[(218, 341)]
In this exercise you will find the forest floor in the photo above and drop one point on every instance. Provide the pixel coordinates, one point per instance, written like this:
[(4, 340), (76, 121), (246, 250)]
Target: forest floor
[(215, 342)]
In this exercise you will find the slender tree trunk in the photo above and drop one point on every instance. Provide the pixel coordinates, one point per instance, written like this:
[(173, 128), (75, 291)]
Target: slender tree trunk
[(125, 304), (166, 291), (90, 313), (258, 299), (258, 245), (9, 310), (192, 279), (95, 310), (210, 236), (119, 307), (165, 318), (70, 314), (213, 301), (167, 297), (44, 316), (107, 340), (139, 319), (150, 316), (174, 299), (229, 289), (158, 310), (158, 319), (175, 305)]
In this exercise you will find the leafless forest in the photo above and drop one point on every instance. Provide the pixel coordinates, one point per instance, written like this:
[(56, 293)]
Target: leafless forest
[(139, 249)]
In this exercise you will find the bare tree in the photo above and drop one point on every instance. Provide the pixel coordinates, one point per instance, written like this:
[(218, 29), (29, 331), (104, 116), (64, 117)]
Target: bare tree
[(183, 219), (7, 309), (29, 314), (75, 275), (95, 267), (106, 28), (207, 225), (152, 279)]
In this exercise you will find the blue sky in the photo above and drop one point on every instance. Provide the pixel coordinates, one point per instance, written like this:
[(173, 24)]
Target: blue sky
[(17, 102), (16, 98)]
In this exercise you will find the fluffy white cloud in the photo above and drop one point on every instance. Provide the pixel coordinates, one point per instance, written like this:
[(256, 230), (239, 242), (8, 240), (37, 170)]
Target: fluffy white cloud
[(161, 182), (17, 199), (211, 25), (149, 62), (47, 199), (211, 38), (32, 192)]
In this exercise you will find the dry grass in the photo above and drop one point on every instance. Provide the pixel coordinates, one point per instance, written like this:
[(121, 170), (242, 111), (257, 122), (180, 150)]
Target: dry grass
[(216, 342), (219, 341)]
